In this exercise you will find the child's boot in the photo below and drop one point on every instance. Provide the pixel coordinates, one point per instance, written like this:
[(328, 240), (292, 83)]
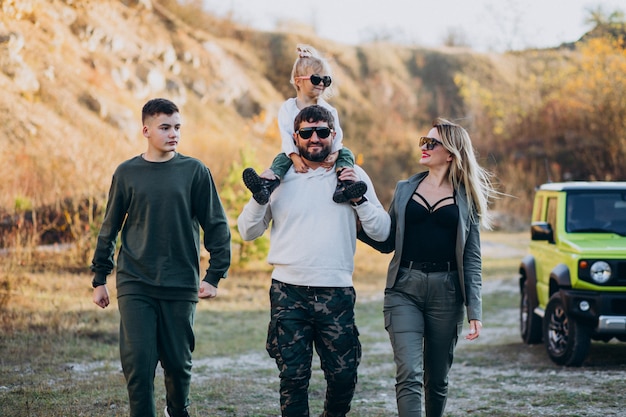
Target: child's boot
[(347, 190), (261, 188)]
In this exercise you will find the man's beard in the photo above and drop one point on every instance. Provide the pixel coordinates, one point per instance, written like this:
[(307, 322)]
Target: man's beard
[(317, 156)]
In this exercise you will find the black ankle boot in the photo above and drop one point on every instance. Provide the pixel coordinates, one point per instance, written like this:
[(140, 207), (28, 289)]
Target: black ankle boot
[(261, 188), (347, 190)]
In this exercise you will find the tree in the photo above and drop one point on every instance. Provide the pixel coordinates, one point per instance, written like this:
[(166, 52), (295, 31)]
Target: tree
[(598, 17), (234, 196)]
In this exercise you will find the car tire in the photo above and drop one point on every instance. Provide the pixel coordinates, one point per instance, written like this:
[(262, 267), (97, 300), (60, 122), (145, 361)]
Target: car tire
[(567, 340), (530, 323)]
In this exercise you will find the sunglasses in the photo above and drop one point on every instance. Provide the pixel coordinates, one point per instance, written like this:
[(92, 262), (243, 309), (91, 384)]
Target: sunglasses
[(306, 132), (429, 142), (317, 79)]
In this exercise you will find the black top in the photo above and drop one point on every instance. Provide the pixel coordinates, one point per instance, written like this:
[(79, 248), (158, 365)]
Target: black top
[(430, 234)]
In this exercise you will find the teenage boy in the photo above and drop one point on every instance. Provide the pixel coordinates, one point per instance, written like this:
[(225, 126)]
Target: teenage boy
[(159, 200)]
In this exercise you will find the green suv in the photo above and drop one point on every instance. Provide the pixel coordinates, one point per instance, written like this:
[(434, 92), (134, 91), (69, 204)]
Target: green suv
[(573, 282)]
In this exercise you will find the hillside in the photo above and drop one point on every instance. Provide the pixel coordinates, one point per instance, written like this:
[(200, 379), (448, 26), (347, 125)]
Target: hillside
[(74, 75)]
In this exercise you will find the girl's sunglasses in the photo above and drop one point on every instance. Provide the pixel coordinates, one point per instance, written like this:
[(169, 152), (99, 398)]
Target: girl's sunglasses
[(317, 79), (306, 132), (429, 142)]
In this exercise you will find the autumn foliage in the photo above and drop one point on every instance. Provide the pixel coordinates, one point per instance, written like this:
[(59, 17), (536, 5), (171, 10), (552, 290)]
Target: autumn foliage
[(562, 117), (534, 116)]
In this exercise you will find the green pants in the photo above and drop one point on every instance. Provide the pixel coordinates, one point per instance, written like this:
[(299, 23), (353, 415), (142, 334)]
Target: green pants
[(282, 163), (424, 318), (153, 330)]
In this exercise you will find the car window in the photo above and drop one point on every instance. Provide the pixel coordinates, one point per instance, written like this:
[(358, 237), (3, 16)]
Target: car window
[(538, 211), (596, 212), (551, 213)]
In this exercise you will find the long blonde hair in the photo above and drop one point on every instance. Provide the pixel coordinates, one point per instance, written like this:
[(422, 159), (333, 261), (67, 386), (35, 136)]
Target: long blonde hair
[(309, 61), (465, 170)]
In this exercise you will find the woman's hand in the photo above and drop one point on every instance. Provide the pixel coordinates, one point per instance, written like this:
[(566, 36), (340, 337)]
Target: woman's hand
[(474, 330)]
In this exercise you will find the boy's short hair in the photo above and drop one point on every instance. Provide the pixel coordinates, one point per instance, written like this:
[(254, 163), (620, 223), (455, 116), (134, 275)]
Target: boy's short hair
[(158, 106), (313, 114)]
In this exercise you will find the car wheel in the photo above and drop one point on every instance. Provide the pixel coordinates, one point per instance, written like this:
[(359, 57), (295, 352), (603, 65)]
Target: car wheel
[(567, 341), (530, 323)]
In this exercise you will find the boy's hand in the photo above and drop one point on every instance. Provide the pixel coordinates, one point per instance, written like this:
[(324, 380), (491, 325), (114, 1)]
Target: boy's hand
[(101, 296), (207, 290)]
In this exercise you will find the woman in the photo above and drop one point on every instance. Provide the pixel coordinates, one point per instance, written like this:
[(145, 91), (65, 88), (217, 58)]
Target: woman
[(436, 267)]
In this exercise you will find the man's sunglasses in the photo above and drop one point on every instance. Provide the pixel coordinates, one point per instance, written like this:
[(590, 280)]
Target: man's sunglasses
[(317, 79), (306, 132), (429, 142)]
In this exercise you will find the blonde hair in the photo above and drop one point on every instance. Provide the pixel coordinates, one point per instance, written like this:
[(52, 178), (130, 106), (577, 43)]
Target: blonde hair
[(465, 170), (308, 62)]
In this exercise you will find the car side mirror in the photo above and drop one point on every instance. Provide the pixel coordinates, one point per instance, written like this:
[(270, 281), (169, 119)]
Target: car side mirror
[(541, 231)]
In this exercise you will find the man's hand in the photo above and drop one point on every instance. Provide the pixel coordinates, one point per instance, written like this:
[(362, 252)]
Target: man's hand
[(101, 296), (207, 290), (348, 174), (268, 174)]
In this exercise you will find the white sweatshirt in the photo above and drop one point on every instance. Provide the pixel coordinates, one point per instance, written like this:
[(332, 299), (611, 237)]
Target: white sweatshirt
[(312, 238), (286, 116)]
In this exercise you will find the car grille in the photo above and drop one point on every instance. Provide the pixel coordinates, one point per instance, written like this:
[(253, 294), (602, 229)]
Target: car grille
[(618, 307)]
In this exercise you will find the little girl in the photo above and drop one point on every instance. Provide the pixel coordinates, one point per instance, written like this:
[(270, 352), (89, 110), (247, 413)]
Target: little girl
[(310, 77)]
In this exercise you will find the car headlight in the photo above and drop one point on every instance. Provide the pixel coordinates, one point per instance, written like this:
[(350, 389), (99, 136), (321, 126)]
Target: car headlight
[(600, 272)]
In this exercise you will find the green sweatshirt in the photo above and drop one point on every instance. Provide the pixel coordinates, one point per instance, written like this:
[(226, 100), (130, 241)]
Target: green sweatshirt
[(160, 207)]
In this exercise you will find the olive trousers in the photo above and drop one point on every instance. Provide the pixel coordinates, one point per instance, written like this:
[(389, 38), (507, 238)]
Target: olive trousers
[(152, 331), (424, 318)]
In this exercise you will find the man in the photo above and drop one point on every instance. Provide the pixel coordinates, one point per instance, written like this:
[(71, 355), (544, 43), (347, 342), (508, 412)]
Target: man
[(159, 200), (313, 241)]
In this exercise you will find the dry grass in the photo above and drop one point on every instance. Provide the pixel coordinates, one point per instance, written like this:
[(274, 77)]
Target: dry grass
[(58, 352)]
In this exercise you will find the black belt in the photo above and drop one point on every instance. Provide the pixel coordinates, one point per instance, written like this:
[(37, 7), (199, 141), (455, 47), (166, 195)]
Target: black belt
[(429, 266)]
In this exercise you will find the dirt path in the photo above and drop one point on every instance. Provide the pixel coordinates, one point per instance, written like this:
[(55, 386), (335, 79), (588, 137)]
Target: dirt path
[(497, 375)]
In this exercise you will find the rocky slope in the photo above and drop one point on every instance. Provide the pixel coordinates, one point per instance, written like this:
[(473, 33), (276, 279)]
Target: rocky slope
[(74, 75)]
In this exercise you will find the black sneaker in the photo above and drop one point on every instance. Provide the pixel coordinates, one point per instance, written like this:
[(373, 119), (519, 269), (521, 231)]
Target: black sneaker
[(347, 190), (261, 188), (183, 413)]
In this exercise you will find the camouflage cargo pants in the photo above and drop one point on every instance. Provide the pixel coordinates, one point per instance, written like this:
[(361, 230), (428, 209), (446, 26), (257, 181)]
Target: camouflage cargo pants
[(303, 317)]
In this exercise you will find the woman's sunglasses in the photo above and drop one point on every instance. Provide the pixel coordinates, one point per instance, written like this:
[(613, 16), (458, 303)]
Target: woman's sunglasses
[(317, 79), (429, 142), (306, 132)]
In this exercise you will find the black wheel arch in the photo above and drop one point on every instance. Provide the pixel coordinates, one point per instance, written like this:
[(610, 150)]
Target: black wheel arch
[(528, 273), (527, 270), (530, 323), (559, 278)]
